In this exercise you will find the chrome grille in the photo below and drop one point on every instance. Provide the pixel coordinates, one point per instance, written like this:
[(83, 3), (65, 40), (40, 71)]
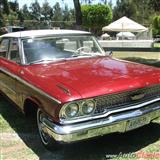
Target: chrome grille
[(119, 100)]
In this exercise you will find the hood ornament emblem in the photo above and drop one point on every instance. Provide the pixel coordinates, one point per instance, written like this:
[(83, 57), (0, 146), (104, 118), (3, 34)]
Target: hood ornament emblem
[(137, 96)]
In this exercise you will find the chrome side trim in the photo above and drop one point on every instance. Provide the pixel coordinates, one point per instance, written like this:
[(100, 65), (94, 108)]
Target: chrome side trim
[(110, 112), (30, 85), (111, 124)]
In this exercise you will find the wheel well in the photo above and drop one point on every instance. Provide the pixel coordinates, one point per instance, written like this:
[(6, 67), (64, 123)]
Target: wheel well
[(30, 108)]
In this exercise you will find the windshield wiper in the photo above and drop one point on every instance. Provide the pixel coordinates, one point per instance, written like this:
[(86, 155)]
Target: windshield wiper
[(46, 60), (40, 60), (86, 55), (81, 55)]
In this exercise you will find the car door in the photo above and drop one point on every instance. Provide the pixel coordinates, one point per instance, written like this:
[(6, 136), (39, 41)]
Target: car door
[(10, 66)]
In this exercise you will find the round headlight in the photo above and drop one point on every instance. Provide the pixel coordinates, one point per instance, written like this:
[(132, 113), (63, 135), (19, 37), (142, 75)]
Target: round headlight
[(71, 110), (88, 107)]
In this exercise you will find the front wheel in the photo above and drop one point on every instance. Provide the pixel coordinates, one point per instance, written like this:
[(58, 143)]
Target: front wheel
[(46, 140)]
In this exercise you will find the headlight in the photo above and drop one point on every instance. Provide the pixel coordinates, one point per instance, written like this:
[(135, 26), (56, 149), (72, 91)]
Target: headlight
[(88, 107), (77, 111), (72, 110)]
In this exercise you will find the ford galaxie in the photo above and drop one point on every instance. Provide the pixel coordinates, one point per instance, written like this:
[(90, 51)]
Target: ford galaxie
[(76, 90)]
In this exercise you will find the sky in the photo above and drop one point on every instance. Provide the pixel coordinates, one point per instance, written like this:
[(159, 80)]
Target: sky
[(52, 2)]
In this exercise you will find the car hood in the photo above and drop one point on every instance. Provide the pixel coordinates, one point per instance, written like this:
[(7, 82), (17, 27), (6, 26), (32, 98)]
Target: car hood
[(90, 77)]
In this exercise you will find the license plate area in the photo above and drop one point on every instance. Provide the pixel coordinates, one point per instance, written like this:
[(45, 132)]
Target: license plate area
[(137, 122)]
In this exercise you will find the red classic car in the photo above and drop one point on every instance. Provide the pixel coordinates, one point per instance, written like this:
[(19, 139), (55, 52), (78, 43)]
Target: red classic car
[(77, 91)]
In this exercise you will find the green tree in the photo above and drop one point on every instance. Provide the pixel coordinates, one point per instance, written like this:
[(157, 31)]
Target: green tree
[(25, 17), (155, 5), (35, 11), (66, 14), (87, 1), (57, 15), (46, 10), (124, 8), (14, 6), (20, 17), (68, 17), (104, 1), (156, 26), (11, 18), (4, 10), (15, 14), (25, 12), (96, 16), (140, 10), (4, 7), (142, 13)]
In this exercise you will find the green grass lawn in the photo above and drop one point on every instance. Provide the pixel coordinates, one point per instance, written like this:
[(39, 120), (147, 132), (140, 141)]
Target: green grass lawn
[(151, 62), (19, 140)]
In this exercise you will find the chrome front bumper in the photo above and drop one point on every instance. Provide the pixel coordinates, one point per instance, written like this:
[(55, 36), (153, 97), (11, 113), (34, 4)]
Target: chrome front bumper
[(120, 122)]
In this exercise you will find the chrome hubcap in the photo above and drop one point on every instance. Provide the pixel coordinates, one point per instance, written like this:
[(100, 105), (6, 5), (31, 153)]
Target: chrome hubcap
[(44, 136)]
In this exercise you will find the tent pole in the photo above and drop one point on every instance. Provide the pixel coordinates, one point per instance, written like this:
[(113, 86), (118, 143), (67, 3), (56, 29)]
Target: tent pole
[(122, 34)]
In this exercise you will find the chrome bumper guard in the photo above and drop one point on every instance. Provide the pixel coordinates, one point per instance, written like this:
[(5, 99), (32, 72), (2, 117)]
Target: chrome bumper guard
[(120, 122)]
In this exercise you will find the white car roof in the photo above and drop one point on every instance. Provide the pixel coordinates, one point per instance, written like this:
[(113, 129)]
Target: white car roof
[(39, 33)]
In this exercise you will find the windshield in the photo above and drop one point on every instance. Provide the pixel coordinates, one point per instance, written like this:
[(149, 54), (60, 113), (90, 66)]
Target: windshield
[(38, 50)]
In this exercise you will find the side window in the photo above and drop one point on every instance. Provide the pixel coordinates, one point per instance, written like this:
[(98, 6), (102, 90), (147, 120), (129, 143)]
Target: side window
[(4, 47), (14, 50)]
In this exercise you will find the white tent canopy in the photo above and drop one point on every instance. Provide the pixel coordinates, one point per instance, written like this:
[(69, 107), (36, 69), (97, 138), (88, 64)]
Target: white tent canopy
[(124, 24), (125, 34), (105, 35)]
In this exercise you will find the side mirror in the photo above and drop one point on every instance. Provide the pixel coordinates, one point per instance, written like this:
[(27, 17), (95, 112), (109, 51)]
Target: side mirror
[(109, 53)]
